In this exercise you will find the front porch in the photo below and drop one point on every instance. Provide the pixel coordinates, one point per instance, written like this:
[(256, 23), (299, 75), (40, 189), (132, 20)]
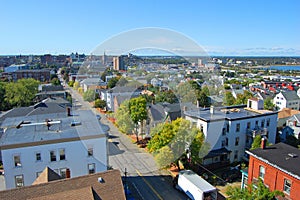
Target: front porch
[(217, 158)]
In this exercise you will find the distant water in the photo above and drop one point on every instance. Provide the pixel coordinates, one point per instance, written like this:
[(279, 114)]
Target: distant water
[(285, 68)]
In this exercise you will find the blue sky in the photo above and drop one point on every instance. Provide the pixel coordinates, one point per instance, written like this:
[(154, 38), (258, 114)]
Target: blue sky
[(231, 27)]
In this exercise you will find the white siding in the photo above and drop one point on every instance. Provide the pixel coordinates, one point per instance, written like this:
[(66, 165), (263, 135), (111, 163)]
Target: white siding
[(76, 160)]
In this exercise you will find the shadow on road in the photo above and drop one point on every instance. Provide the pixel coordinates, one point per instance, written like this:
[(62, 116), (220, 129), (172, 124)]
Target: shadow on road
[(152, 187), (114, 149)]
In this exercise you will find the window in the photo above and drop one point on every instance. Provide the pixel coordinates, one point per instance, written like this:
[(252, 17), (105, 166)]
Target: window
[(19, 180), (268, 122), (237, 129), (237, 139), (287, 186), (261, 172), (38, 156), (236, 155), (17, 161), (52, 156), (201, 128), (90, 152), (62, 155), (223, 143), (91, 168), (226, 142), (248, 125), (256, 123), (224, 131), (227, 128), (63, 172), (263, 123), (38, 174)]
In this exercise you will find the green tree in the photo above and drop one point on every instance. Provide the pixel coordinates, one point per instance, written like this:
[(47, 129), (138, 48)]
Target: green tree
[(122, 81), (112, 82), (205, 90), (229, 99), (268, 104), (89, 95), (257, 192), (243, 98), (166, 96), (161, 135), (203, 99), (138, 112), (292, 140), (71, 83), (164, 157), (3, 102), (107, 72), (76, 85), (22, 92), (179, 135), (187, 92), (55, 81), (123, 120), (257, 142), (99, 103)]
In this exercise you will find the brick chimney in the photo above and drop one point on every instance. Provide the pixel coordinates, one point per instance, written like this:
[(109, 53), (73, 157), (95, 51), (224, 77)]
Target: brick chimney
[(263, 143)]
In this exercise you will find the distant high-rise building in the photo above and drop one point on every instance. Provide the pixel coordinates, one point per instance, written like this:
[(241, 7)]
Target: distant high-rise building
[(104, 58), (118, 63)]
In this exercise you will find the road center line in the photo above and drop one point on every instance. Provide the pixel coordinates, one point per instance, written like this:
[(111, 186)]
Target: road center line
[(150, 186)]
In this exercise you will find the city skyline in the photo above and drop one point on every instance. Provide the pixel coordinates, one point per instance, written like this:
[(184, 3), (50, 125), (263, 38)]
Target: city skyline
[(229, 28)]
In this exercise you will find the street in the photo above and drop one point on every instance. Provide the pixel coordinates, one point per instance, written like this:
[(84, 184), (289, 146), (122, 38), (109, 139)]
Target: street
[(144, 179)]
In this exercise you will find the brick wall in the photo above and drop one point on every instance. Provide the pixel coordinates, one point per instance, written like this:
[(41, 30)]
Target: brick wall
[(274, 178)]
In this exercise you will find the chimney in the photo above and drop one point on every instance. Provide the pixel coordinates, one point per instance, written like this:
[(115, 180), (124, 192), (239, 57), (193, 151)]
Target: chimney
[(263, 143), (68, 173), (68, 111), (198, 104), (212, 110)]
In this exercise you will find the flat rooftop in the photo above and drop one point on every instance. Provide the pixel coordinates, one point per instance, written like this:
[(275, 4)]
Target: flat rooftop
[(31, 129), (228, 113)]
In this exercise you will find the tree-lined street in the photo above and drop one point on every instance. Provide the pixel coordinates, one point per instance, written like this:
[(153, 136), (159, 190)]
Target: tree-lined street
[(143, 177)]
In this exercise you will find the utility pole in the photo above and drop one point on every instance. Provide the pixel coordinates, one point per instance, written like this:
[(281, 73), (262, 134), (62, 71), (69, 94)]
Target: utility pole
[(125, 182)]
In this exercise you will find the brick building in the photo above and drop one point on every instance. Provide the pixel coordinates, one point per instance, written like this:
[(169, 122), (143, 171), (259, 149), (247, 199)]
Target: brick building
[(42, 75), (278, 167)]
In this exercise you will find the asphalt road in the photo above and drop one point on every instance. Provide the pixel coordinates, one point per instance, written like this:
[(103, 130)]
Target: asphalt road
[(144, 179)]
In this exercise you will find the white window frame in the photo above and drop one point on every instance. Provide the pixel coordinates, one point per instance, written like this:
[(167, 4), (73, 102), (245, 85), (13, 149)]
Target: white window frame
[(287, 185), (62, 154), (54, 155), (262, 172), (36, 156), (17, 164), (94, 168), (21, 184), (90, 151)]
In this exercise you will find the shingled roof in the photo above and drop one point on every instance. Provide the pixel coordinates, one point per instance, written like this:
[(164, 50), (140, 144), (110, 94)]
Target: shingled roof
[(282, 156), (84, 187), (290, 95)]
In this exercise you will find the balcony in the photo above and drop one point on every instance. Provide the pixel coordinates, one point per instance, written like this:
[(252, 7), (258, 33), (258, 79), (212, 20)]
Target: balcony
[(257, 131)]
